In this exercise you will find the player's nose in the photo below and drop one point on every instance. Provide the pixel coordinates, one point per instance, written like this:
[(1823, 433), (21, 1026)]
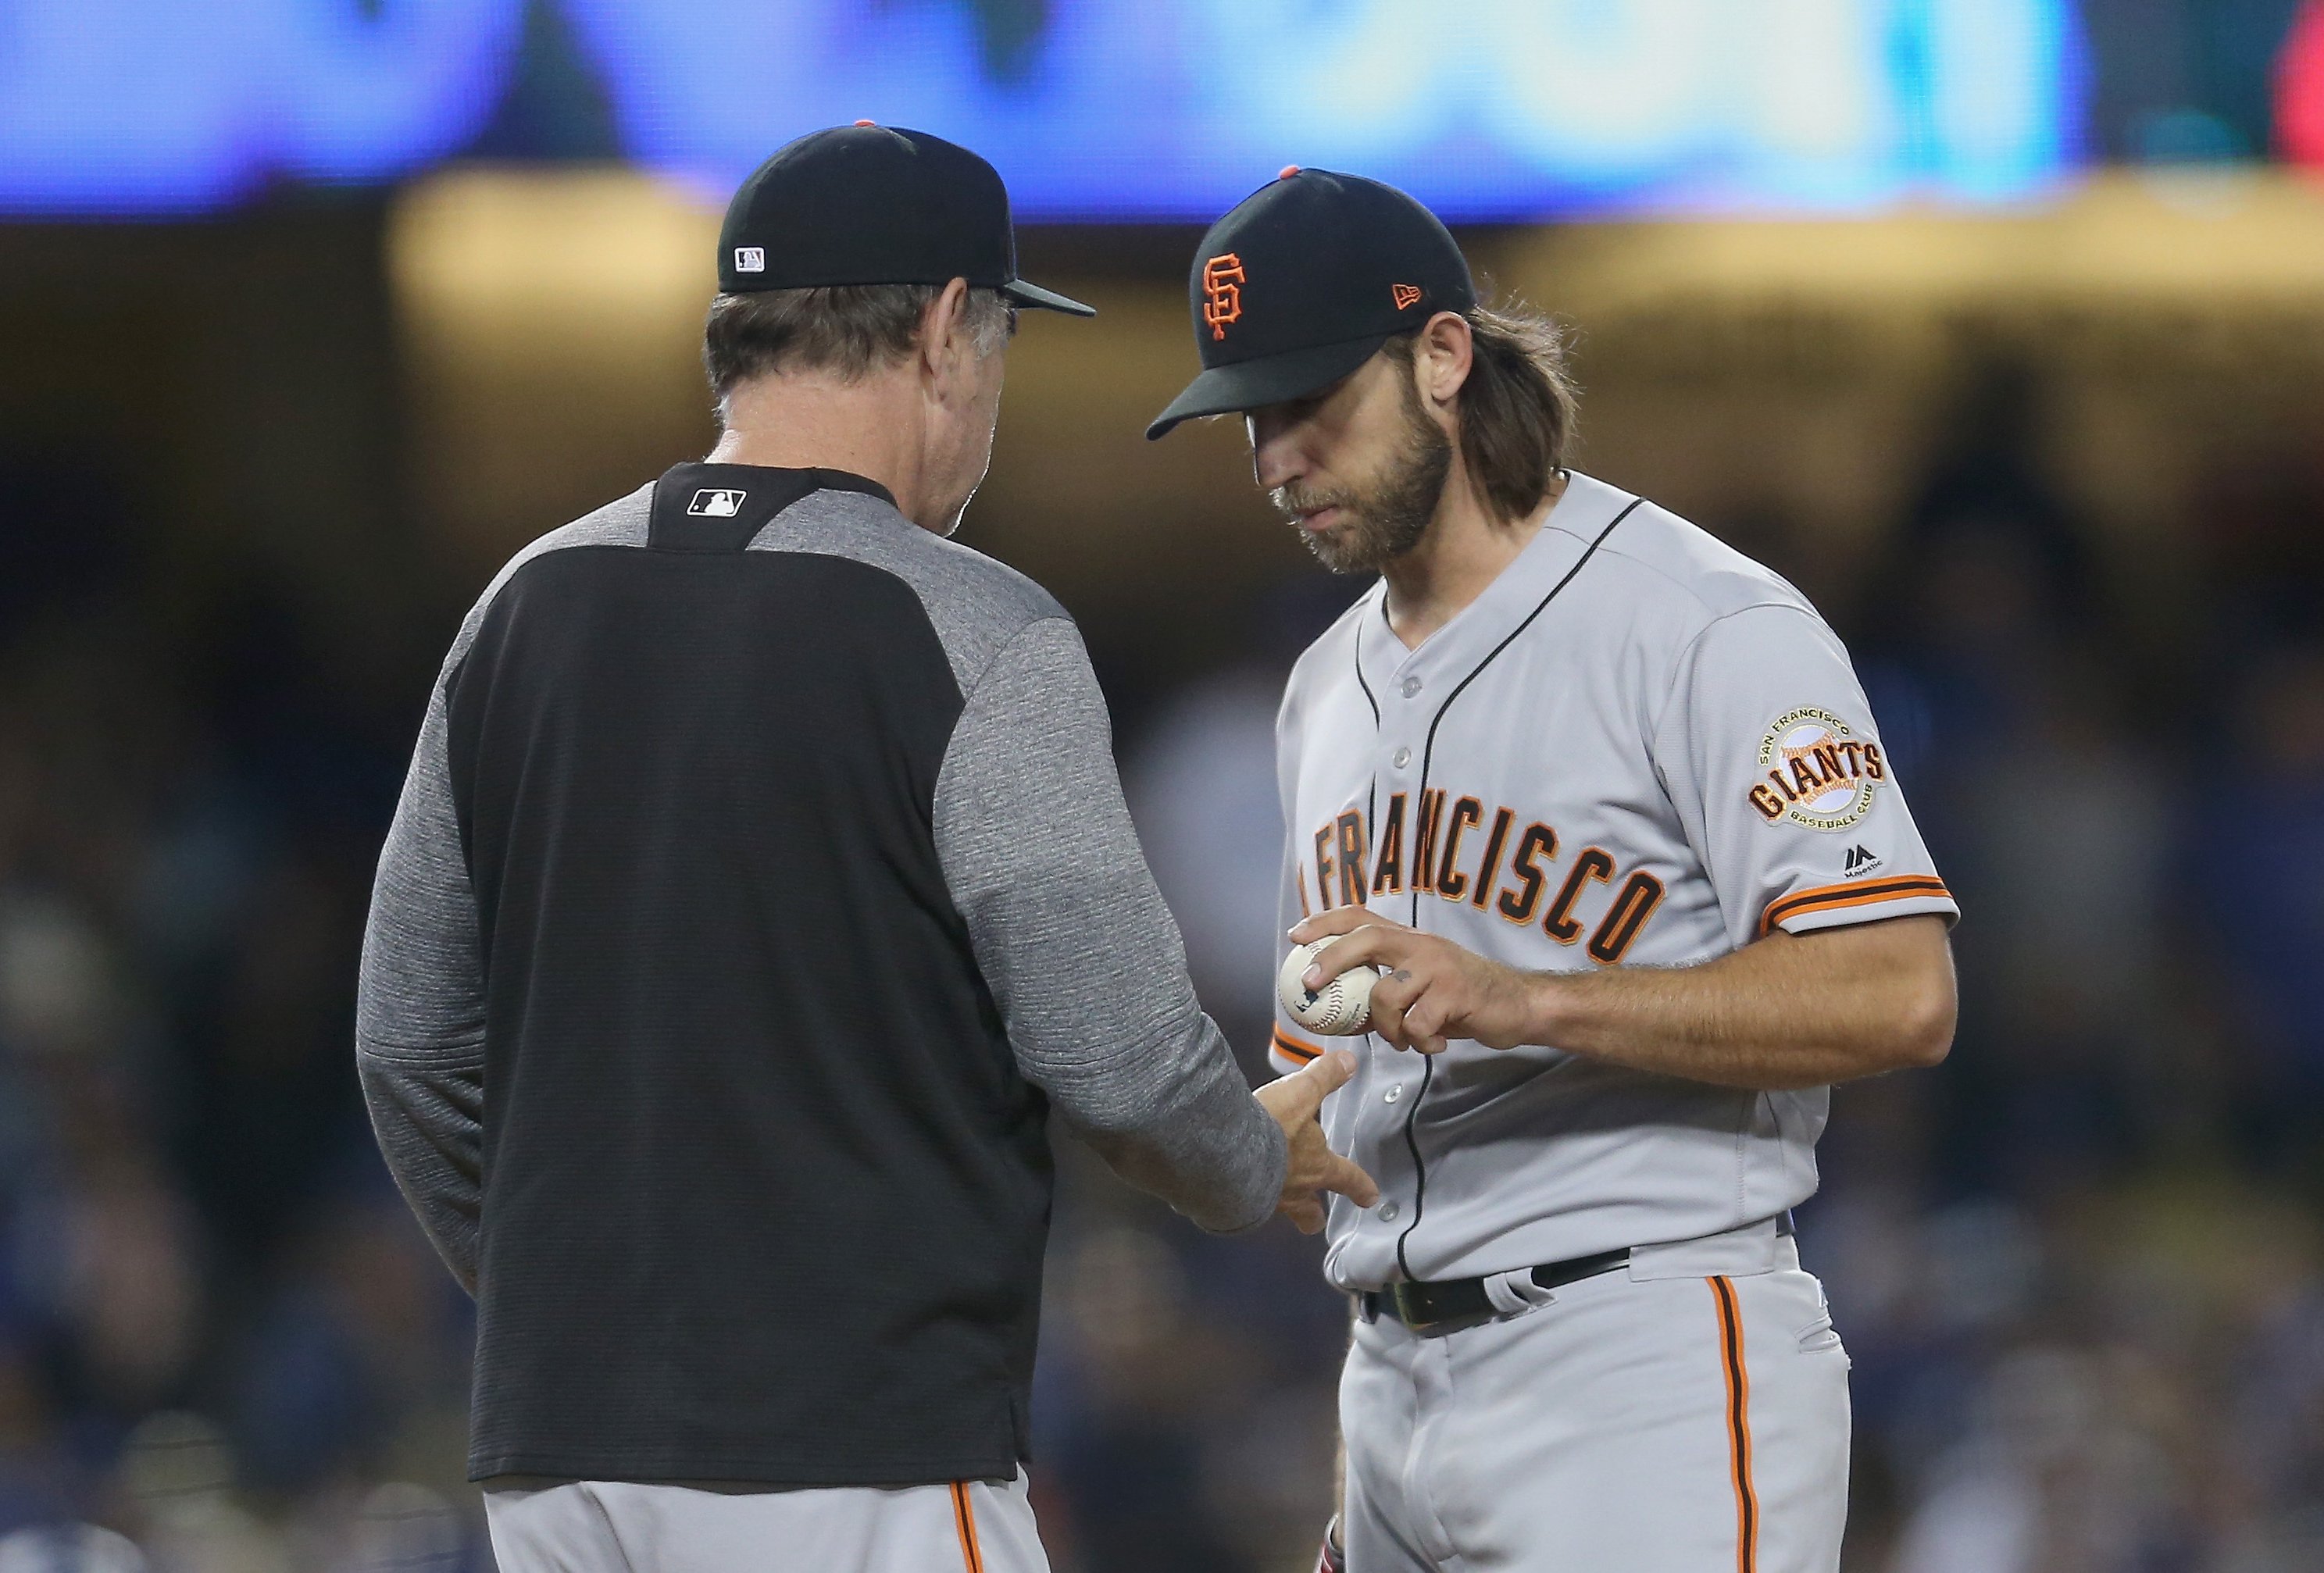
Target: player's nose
[(1275, 459)]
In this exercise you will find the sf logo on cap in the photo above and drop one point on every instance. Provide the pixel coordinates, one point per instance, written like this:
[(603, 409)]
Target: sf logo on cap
[(1221, 292)]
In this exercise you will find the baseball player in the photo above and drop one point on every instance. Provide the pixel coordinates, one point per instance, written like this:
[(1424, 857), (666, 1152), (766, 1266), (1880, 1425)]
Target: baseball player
[(1604, 802)]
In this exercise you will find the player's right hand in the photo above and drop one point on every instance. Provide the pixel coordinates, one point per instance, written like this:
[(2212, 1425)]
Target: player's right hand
[(1432, 990), (1293, 1101)]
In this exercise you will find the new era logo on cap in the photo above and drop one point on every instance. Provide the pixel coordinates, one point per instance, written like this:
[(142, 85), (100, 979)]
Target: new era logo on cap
[(712, 502), (749, 259), (1404, 295)]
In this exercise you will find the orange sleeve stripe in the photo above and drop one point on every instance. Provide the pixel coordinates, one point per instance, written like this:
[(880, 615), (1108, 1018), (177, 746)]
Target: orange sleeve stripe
[(1828, 898), (1291, 1048)]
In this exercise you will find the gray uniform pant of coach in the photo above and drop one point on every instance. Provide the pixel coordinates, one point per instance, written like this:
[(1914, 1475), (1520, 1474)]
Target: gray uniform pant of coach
[(607, 1526), (1685, 1414)]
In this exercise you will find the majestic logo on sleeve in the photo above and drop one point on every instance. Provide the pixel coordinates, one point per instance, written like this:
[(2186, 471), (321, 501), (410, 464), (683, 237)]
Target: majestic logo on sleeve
[(1222, 283), (1816, 771)]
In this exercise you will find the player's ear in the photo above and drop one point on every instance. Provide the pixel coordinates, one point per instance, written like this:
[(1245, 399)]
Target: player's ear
[(1442, 354)]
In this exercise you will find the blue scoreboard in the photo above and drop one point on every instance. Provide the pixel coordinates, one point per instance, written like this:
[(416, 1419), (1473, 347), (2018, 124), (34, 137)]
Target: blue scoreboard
[(1094, 109)]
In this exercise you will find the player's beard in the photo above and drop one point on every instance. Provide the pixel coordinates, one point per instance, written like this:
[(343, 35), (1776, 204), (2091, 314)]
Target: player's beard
[(1387, 517)]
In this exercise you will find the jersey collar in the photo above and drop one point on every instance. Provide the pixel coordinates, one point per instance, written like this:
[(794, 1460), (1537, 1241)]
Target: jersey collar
[(720, 508), (1388, 669)]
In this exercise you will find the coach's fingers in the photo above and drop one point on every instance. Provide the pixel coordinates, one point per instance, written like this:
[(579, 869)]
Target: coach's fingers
[(1317, 1080), (1344, 1177), (1294, 1099), (1331, 1172)]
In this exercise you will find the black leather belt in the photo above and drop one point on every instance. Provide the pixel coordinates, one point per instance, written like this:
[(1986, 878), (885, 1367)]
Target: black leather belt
[(1423, 1307), (1454, 1302)]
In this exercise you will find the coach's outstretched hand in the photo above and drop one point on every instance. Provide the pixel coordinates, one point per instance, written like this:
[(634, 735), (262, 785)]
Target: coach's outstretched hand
[(1315, 1168)]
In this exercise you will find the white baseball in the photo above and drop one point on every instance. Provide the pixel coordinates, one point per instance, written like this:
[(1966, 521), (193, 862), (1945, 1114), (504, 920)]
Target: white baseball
[(1341, 1008)]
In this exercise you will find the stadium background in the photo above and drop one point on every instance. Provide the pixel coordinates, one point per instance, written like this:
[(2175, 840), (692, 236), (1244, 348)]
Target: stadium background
[(1996, 325)]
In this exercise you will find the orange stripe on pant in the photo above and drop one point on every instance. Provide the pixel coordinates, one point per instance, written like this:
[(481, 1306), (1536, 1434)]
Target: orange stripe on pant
[(1738, 1424), (964, 1519)]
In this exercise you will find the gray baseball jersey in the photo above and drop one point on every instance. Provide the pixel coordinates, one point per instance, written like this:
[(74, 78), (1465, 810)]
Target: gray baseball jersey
[(1636, 748)]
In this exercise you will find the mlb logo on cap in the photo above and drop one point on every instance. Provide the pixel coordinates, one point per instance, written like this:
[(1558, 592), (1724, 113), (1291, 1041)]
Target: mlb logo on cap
[(714, 503), (869, 204)]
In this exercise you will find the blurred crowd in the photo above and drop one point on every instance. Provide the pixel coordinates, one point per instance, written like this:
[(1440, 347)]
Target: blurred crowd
[(2079, 1267), (220, 1338)]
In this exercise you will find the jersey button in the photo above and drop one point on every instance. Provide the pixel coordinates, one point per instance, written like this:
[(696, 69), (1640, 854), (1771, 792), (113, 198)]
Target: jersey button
[(1392, 1095), (1401, 758), (1389, 1211), (1410, 687)]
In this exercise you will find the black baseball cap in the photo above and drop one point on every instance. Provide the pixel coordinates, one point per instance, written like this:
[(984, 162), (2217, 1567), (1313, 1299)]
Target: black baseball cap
[(867, 204), (1309, 275)]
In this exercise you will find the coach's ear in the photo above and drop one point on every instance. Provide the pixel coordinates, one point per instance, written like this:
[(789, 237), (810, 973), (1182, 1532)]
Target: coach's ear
[(944, 341)]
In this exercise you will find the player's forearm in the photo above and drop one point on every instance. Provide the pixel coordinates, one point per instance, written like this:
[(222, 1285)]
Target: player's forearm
[(1785, 1012)]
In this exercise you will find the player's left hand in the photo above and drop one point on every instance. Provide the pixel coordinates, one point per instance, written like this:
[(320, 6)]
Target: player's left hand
[(1431, 990)]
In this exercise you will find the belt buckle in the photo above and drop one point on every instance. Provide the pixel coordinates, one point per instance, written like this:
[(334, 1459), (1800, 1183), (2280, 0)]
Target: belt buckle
[(1411, 1305)]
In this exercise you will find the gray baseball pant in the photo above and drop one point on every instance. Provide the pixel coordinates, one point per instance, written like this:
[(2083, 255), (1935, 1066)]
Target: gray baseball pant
[(612, 1526), (1688, 1414)]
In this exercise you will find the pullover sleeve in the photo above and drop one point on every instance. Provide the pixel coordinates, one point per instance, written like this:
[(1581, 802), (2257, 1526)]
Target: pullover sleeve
[(1081, 956), (419, 1010)]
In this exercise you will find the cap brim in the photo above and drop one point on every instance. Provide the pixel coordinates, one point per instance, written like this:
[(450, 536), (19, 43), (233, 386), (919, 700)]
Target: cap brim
[(1020, 293), (1268, 380)]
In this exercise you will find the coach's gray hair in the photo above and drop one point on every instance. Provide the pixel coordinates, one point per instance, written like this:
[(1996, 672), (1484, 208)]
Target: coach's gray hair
[(842, 330)]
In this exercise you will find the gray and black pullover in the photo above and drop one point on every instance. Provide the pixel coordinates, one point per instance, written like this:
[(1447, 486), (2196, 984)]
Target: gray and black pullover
[(760, 881)]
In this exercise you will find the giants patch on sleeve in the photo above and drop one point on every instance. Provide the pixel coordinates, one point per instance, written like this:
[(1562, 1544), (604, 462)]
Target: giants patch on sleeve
[(1814, 772)]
